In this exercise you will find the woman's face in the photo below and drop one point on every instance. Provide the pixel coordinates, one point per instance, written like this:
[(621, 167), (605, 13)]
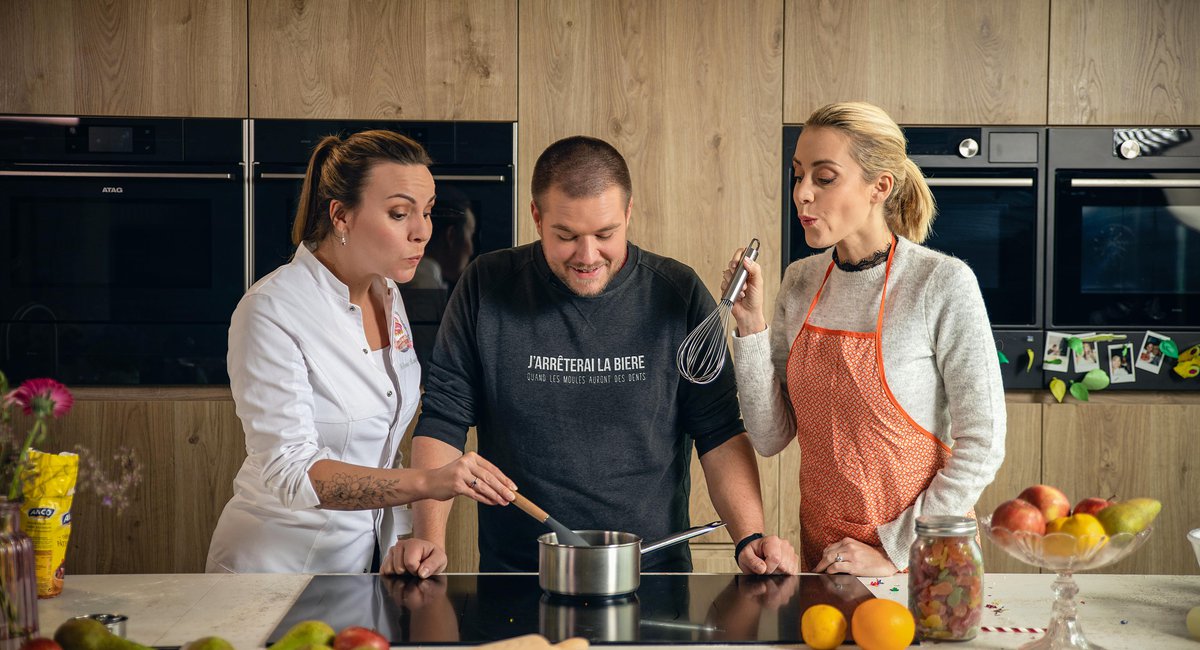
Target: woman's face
[(390, 227), (833, 202)]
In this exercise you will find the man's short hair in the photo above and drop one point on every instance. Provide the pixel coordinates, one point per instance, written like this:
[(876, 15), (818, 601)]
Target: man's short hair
[(581, 167)]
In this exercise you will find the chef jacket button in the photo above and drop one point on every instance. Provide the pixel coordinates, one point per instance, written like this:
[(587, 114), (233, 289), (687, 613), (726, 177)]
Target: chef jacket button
[(365, 351), (389, 393), (351, 307)]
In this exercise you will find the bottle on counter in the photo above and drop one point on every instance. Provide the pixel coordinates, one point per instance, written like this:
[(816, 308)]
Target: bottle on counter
[(945, 578)]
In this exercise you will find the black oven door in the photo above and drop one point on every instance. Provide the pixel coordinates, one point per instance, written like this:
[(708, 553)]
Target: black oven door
[(990, 220), (1126, 250), (102, 266)]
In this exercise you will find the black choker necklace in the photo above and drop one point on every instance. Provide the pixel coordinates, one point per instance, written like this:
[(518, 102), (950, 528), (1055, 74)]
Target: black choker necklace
[(870, 261)]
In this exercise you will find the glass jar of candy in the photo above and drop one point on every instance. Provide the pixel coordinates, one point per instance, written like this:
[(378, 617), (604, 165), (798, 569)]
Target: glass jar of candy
[(945, 578)]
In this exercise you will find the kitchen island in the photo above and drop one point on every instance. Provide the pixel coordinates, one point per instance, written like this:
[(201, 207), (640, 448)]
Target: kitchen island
[(1116, 611)]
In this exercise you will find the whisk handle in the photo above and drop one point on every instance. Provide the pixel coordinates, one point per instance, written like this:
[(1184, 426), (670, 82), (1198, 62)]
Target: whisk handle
[(739, 276)]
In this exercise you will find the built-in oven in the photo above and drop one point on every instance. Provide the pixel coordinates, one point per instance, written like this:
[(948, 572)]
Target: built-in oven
[(474, 214), (1124, 239), (122, 248), (988, 185)]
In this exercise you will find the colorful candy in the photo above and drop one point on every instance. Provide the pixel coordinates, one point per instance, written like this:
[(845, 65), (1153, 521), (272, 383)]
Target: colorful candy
[(945, 578)]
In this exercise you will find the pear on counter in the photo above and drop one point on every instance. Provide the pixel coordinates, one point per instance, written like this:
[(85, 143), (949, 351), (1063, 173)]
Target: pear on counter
[(90, 634), (1130, 516), (306, 634), (208, 643)]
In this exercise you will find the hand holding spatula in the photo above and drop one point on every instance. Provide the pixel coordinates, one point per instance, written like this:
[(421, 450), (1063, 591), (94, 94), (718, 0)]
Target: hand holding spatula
[(565, 535)]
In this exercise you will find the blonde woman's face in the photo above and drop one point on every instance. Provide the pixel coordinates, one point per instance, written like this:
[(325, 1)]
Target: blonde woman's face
[(833, 201)]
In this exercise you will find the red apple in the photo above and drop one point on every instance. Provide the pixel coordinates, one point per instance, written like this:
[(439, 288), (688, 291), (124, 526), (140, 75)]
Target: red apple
[(1018, 515), (360, 637), (1050, 500), (41, 643), (1091, 506)]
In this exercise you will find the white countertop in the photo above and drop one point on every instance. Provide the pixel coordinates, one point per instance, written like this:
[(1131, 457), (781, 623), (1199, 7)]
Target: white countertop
[(1116, 611)]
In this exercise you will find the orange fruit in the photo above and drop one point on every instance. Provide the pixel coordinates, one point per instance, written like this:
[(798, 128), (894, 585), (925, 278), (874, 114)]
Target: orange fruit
[(823, 627), (882, 624), (1086, 530)]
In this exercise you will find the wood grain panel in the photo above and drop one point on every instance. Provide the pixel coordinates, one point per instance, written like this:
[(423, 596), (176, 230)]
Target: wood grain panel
[(124, 57), (1124, 62), (209, 448), (1131, 451), (689, 92), (1022, 467), (395, 59), (702, 510), (923, 61)]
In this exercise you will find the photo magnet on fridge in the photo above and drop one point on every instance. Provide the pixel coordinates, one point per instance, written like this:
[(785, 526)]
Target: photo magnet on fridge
[(1120, 363), (1089, 359), (1057, 355), (1150, 356)]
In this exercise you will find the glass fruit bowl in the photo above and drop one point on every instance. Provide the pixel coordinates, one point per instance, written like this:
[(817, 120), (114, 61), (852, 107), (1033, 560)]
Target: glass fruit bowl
[(1064, 554)]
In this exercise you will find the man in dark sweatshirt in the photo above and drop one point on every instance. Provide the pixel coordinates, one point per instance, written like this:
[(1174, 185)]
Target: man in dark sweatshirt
[(562, 354)]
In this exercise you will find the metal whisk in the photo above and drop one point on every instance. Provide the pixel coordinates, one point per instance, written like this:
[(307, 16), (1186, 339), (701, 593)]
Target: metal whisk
[(701, 356)]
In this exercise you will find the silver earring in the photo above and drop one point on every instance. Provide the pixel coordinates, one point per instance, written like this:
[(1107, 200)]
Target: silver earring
[(343, 238)]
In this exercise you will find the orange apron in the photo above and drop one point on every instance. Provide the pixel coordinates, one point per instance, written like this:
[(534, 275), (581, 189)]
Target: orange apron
[(863, 459)]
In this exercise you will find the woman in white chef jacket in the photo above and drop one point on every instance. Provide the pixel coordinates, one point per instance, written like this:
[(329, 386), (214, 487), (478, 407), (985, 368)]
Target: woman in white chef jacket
[(325, 379)]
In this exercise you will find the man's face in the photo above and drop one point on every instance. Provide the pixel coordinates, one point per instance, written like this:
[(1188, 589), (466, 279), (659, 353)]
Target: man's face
[(584, 239)]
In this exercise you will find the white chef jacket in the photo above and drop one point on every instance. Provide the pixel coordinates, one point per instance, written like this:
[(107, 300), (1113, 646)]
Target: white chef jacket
[(306, 389)]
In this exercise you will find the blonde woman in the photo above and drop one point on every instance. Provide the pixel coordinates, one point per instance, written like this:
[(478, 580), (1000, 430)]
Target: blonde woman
[(880, 359)]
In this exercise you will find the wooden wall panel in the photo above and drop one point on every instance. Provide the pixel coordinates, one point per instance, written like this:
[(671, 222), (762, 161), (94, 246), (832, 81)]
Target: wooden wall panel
[(124, 57), (923, 61), (394, 59), (1127, 450), (1125, 62), (689, 92), (1022, 467)]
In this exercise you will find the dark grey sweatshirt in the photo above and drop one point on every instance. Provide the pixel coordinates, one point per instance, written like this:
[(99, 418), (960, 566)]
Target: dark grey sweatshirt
[(577, 399)]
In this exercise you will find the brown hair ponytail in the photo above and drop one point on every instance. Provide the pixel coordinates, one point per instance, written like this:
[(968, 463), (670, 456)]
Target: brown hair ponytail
[(878, 145), (338, 170)]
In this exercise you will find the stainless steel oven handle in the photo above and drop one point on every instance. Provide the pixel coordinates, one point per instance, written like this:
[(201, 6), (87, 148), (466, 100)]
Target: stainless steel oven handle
[(436, 177), (1135, 182), (979, 182), (216, 176)]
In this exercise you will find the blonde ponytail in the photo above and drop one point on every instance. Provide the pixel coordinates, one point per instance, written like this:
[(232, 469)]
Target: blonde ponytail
[(878, 145), (909, 210)]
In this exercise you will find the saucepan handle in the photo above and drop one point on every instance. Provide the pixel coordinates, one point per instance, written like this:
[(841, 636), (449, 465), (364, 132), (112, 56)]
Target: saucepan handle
[(681, 536)]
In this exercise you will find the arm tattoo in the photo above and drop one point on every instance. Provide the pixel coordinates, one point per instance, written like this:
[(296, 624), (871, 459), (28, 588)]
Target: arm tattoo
[(349, 492)]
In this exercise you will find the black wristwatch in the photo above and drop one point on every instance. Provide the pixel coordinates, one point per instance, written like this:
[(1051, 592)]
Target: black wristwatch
[(737, 552)]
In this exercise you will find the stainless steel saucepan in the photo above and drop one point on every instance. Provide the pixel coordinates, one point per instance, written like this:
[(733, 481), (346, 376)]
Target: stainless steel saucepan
[(610, 565)]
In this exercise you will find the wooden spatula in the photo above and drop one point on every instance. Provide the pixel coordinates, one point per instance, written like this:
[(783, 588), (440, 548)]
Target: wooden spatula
[(565, 535)]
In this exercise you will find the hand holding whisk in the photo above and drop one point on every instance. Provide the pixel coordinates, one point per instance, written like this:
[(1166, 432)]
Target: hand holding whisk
[(701, 356)]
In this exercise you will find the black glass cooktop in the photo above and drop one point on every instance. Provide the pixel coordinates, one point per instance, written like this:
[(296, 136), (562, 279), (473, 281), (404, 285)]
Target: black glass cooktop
[(666, 609)]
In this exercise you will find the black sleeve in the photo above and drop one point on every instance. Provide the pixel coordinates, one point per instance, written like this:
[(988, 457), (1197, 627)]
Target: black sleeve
[(449, 403), (709, 412)]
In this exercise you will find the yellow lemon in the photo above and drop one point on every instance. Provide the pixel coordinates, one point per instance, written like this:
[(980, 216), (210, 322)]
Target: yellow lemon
[(823, 627), (1086, 535)]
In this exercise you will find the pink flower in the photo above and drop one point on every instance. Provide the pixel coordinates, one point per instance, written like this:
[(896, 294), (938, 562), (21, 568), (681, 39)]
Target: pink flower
[(42, 397)]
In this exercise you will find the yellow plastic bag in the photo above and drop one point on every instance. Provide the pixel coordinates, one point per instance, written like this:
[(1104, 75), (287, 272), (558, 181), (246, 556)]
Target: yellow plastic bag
[(48, 482)]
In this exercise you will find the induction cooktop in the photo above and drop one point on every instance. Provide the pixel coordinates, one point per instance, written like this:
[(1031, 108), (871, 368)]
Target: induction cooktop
[(468, 609)]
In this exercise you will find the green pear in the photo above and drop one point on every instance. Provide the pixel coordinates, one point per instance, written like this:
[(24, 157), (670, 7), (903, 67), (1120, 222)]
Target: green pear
[(305, 634), (1130, 516), (208, 643), (90, 634)]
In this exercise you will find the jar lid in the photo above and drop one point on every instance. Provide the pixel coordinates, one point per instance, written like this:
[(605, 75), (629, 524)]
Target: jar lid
[(946, 525)]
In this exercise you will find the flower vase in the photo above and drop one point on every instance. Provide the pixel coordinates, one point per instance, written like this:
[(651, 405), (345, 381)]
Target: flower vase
[(18, 580)]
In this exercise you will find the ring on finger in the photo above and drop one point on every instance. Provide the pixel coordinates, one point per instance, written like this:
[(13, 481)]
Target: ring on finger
[(838, 558), (474, 482)]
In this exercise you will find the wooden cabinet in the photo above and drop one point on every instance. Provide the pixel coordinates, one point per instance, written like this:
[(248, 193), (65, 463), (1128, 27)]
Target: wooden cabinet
[(690, 94), (395, 59), (189, 453), (124, 57), (1131, 447), (1022, 467), (1125, 62), (923, 61)]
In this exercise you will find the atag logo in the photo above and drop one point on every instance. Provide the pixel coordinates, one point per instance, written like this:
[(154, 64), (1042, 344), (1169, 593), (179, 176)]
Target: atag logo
[(41, 513), (66, 518), (113, 190)]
